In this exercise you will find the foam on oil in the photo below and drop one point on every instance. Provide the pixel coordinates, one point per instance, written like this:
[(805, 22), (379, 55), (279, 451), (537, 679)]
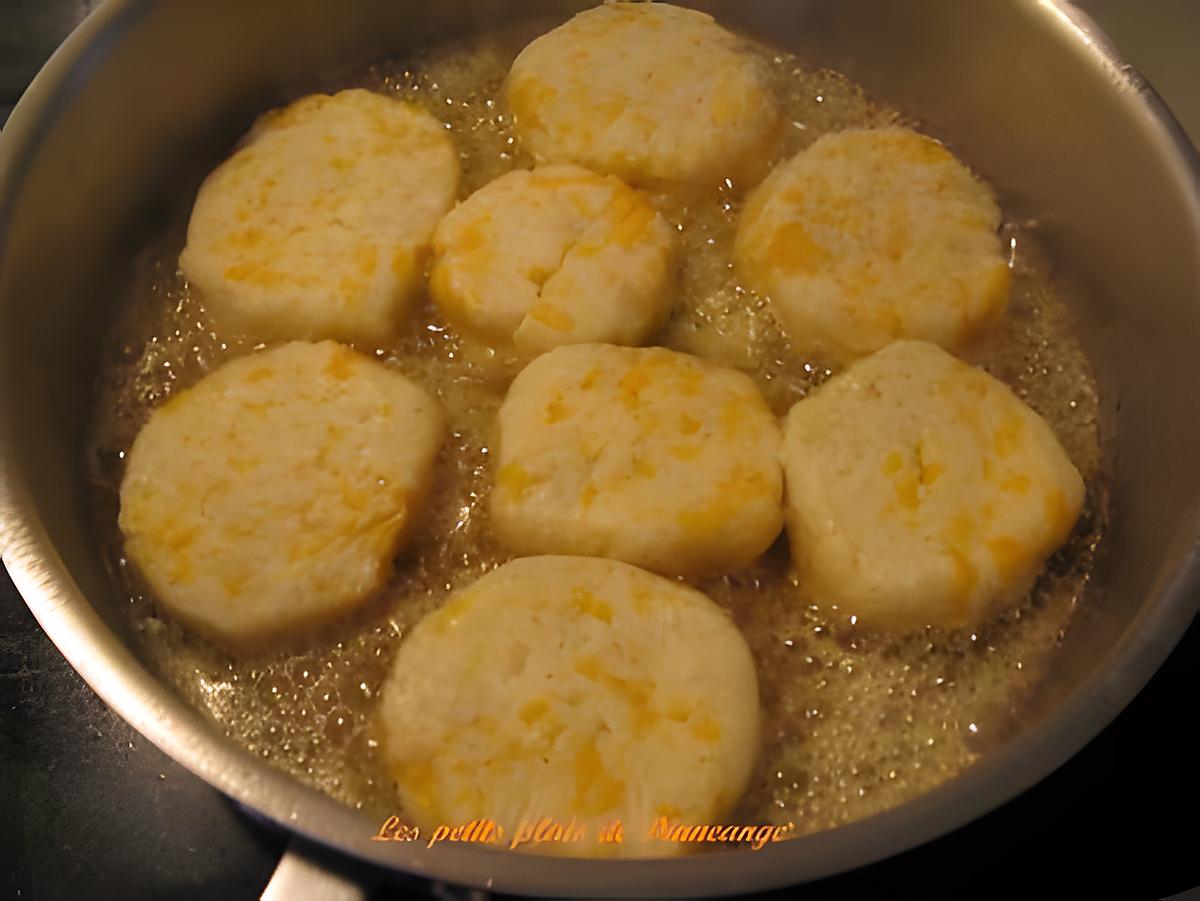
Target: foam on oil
[(855, 723)]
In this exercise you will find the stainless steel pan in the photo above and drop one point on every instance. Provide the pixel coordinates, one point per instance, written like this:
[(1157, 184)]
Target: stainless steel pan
[(147, 96)]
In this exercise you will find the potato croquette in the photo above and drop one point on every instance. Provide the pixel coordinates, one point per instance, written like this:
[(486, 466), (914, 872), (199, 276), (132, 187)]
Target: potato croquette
[(644, 455), (870, 236), (319, 225), (920, 490), (273, 494), (653, 93), (576, 689), (559, 255)]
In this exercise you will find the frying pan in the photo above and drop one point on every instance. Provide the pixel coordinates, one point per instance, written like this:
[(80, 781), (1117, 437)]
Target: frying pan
[(147, 96)]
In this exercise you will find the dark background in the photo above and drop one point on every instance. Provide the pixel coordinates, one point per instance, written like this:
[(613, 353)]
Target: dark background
[(89, 809)]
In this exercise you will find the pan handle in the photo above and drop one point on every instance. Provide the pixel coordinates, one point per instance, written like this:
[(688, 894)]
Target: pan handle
[(307, 872)]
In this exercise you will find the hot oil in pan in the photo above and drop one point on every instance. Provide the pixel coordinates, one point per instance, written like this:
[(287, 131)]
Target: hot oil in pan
[(854, 723)]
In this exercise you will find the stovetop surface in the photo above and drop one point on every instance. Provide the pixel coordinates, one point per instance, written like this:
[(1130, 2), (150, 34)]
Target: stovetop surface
[(88, 808)]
